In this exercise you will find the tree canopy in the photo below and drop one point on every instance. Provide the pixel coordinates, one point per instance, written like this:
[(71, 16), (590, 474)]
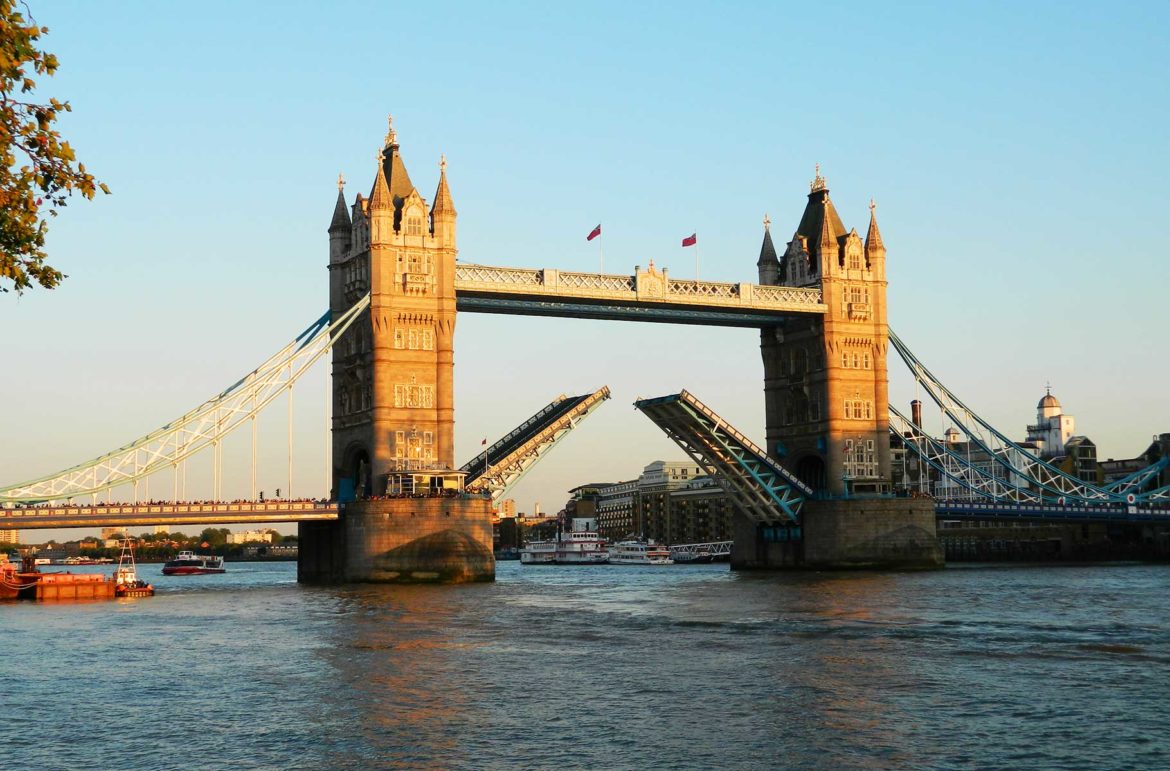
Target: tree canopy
[(38, 169)]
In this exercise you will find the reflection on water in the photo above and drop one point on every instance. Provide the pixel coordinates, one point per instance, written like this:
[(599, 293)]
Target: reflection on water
[(600, 667)]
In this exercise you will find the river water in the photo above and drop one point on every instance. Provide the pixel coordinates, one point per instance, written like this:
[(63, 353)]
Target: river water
[(599, 667)]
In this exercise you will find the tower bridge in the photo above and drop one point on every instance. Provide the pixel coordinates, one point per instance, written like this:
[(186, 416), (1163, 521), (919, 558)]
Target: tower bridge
[(816, 494)]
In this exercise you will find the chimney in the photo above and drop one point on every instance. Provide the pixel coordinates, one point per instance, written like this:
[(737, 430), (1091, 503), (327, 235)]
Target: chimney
[(916, 413)]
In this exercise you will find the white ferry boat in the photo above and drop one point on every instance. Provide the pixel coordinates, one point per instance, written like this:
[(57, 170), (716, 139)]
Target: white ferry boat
[(581, 545), (539, 553), (639, 553)]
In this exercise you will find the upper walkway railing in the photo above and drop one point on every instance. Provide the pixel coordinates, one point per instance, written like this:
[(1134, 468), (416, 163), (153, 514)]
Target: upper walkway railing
[(650, 295)]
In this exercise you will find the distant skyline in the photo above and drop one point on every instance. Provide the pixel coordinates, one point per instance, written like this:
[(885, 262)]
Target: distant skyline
[(1017, 156)]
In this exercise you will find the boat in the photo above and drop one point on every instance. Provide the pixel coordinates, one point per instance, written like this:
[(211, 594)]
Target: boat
[(693, 557), (126, 580), (188, 563), (28, 583), (539, 553), (580, 545), (639, 553)]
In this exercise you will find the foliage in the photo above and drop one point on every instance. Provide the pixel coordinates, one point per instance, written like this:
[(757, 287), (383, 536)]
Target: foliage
[(215, 536), (38, 169)]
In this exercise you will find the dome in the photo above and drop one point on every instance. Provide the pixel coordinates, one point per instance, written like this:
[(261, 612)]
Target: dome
[(1048, 401)]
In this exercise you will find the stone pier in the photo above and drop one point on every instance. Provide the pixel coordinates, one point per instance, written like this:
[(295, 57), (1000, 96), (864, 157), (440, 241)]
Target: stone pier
[(401, 540), (878, 533)]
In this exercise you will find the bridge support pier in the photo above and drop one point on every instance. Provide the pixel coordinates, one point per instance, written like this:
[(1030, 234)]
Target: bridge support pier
[(401, 540), (872, 534)]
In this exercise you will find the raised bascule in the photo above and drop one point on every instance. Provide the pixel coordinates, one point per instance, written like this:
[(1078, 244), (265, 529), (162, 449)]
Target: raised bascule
[(818, 494)]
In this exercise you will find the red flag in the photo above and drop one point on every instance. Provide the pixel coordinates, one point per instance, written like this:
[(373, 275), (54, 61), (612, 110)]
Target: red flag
[(481, 444), (690, 240), (593, 233)]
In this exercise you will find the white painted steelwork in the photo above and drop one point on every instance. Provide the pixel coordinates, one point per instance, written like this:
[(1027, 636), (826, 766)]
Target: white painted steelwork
[(206, 425)]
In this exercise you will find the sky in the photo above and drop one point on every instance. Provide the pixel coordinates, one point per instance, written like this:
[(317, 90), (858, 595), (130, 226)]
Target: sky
[(1017, 155)]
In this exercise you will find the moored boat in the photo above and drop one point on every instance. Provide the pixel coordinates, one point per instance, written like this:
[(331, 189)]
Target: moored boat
[(126, 580), (639, 553), (188, 563), (28, 583), (579, 545)]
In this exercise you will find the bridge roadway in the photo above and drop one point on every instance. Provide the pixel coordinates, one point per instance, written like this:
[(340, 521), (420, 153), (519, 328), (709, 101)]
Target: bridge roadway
[(648, 295), (147, 514)]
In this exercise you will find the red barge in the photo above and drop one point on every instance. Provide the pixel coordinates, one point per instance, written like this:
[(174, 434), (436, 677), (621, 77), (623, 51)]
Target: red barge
[(29, 583)]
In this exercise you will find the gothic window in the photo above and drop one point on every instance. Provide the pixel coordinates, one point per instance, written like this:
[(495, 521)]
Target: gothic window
[(428, 437), (428, 340), (399, 395), (857, 410), (849, 412), (855, 261), (868, 410), (865, 360), (399, 338), (856, 361), (814, 408), (412, 340), (844, 359), (399, 444)]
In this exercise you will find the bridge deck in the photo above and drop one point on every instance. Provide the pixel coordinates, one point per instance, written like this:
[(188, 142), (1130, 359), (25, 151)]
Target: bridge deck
[(645, 296), (1024, 512), (145, 515)]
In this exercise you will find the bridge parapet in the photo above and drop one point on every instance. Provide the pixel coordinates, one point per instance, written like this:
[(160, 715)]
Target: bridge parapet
[(643, 286)]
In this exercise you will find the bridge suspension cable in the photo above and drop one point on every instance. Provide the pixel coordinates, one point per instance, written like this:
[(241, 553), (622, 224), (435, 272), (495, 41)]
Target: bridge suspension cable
[(1042, 479), (205, 425)]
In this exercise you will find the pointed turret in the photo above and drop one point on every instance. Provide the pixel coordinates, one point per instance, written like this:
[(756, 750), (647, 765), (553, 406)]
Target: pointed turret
[(341, 219), (875, 250), (768, 265), (341, 228), (443, 211), (873, 238), (443, 202), (380, 194)]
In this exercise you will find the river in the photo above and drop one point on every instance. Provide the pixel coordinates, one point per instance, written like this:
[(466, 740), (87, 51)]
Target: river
[(600, 667)]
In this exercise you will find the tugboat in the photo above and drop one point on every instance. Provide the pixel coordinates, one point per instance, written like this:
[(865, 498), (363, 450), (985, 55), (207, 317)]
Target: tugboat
[(188, 563), (126, 581)]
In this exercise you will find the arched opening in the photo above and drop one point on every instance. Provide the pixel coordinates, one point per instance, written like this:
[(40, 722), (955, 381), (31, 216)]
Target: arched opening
[(354, 477), (811, 470)]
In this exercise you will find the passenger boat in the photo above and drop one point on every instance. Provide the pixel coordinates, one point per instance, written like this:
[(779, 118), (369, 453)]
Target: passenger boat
[(539, 553), (581, 545), (126, 580), (639, 553), (188, 563), (28, 583), (693, 557)]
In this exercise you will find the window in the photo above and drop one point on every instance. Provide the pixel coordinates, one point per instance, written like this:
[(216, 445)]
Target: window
[(856, 361), (855, 261), (428, 340), (865, 360), (428, 437), (868, 410), (412, 340), (857, 410), (848, 408), (399, 338), (844, 360)]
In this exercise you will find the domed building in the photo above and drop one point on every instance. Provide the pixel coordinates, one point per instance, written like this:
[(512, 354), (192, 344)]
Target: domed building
[(1052, 429)]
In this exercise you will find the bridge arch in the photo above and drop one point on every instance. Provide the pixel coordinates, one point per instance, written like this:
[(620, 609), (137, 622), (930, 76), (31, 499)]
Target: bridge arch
[(354, 476), (811, 470)]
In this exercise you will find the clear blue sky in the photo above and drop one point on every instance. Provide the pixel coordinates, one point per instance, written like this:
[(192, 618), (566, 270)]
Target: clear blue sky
[(1017, 155)]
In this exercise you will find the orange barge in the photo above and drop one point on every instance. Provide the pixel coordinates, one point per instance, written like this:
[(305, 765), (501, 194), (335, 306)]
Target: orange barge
[(28, 583)]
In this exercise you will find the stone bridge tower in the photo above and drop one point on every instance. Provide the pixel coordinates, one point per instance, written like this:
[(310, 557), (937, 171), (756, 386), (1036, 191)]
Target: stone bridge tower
[(825, 381), (404, 516), (393, 406)]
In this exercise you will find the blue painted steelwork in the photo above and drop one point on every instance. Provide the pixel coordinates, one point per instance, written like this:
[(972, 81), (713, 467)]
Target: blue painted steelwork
[(1048, 512), (761, 488), (662, 314)]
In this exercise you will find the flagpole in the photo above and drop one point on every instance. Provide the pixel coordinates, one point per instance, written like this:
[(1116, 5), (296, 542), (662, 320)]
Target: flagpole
[(601, 251), (696, 256)]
